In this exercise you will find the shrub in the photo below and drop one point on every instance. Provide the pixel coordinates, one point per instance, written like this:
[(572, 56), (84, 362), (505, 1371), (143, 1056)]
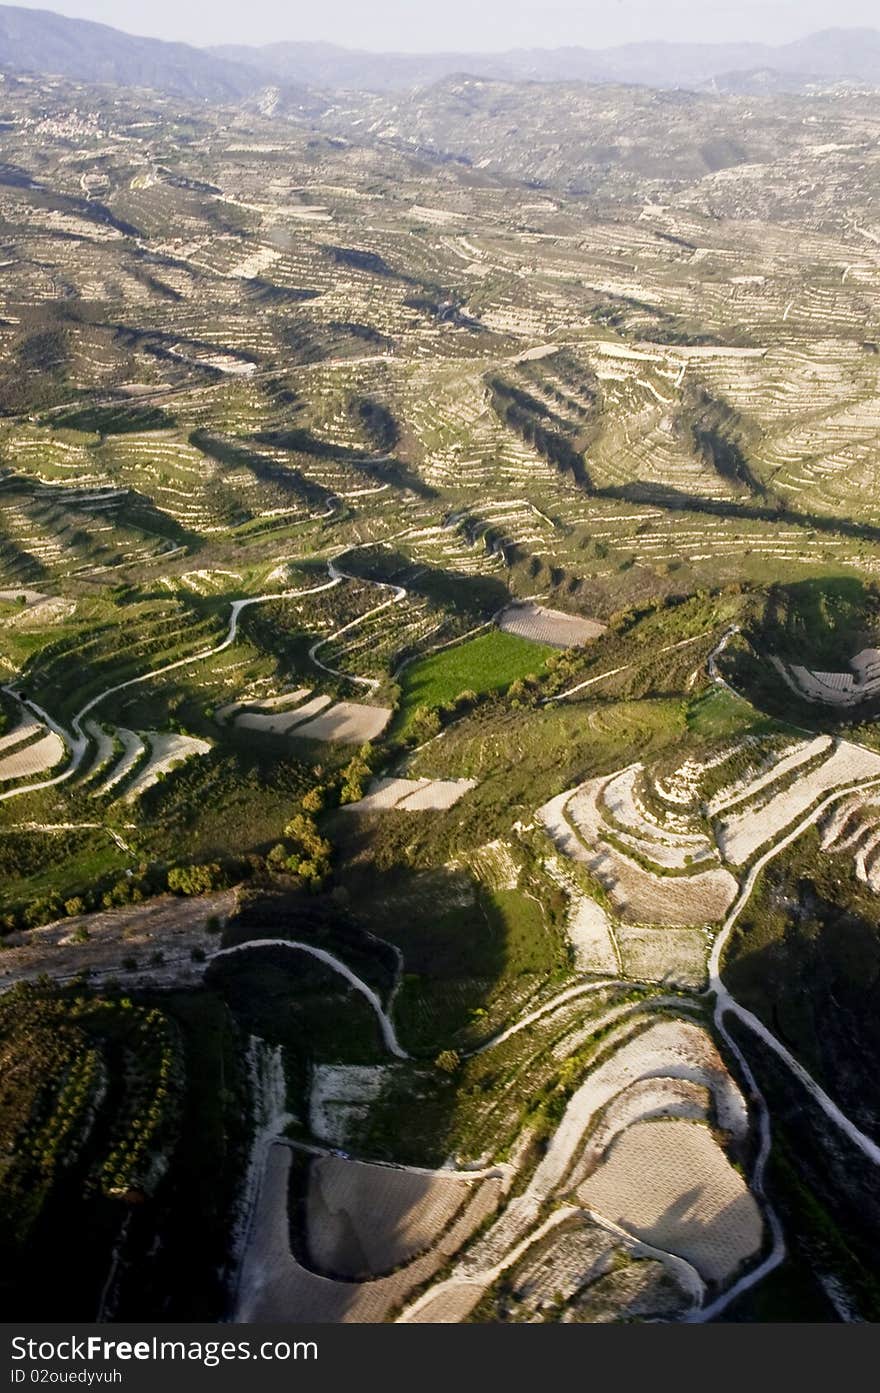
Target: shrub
[(448, 1061), (196, 880)]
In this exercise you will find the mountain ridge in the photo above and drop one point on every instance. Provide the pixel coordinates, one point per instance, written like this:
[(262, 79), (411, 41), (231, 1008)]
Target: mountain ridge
[(43, 43), (832, 54)]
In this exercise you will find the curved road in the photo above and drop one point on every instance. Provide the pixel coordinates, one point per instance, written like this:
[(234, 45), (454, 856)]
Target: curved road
[(389, 1035), (371, 683), (78, 742)]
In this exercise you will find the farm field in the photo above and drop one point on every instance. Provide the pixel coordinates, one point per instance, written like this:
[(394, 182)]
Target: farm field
[(717, 1224), (480, 665)]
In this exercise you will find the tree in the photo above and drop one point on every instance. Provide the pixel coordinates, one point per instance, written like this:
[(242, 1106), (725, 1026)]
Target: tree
[(195, 880), (276, 859), (315, 799), (448, 1061), (425, 723)]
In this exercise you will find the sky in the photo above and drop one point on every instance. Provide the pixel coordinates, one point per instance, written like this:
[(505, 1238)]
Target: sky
[(424, 26)]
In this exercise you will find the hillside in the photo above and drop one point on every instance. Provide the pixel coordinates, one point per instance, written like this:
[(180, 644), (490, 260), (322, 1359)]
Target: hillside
[(439, 704), (42, 42)]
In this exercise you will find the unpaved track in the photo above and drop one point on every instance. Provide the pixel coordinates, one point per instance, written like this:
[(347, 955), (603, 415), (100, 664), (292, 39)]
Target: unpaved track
[(371, 683), (726, 1004), (70, 827), (389, 1034), (78, 742)]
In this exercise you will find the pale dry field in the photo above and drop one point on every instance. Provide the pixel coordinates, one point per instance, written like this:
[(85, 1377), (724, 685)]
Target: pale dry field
[(365, 1220), (438, 796), (273, 1286), (644, 1101), (675, 956), (670, 1184), (103, 746), (789, 760), (621, 799), (34, 759), (451, 1305), (669, 1049), (384, 794), (411, 795), (348, 723), (589, 929), (742, 834), (550, 626), (280, 722), (167, 749), (639, 897), (132, 746), (25, 729)]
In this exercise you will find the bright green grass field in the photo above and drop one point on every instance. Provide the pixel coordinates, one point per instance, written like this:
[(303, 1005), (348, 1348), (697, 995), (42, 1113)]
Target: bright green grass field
[(485, 664)]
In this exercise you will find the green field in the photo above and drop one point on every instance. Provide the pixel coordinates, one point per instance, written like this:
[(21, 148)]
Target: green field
[(482, 665)]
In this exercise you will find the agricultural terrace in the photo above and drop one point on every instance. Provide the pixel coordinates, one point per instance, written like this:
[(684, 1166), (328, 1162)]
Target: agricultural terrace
[(411, 586)]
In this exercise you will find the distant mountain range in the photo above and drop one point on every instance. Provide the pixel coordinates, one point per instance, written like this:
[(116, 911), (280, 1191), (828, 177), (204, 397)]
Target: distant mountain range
[(851, 55), (41, 42)]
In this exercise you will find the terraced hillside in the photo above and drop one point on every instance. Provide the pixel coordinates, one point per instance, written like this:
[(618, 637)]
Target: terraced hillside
[(440, 647)]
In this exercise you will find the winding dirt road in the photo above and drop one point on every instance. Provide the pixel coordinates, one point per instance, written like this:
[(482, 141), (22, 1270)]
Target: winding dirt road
[(78, 742)]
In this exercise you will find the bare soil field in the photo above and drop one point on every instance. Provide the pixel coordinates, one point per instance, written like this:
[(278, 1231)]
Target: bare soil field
[(742, 834), (25, 730), (550, 626), (645, 1101), (363, 1220), (639, 897), (670, 1184), (280, 722), (384, 794), (589, 929), (348, 723), (669, 1049), (132, 748), (451, 1305), (273, 1286), (788, 761), (103, 746), (167, 749), (34, 759), (673, 956), (438, 796), (411, 795)]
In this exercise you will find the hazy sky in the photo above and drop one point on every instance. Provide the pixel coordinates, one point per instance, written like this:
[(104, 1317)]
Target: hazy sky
[(470, 24)]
